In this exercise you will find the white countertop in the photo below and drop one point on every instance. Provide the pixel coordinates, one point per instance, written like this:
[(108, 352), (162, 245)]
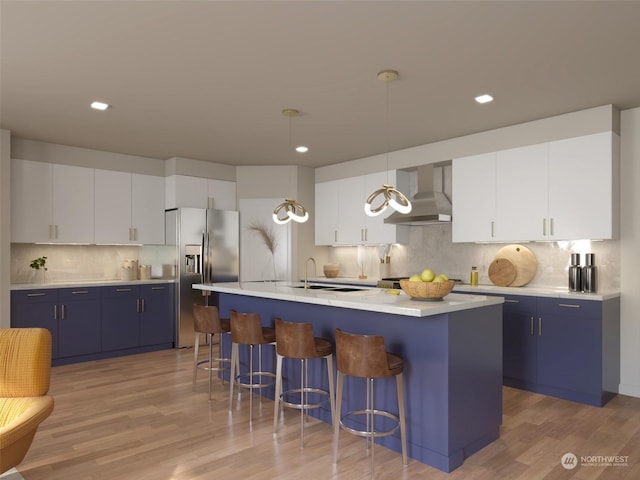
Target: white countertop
[(369, 298), (550, 292), (87, 283)]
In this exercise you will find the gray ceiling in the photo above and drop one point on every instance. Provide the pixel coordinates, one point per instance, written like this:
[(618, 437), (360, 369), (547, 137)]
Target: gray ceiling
[(208, 79)]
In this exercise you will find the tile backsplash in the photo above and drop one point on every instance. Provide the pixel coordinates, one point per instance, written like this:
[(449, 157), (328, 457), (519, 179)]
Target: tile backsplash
[(431, 247), (70, 263)]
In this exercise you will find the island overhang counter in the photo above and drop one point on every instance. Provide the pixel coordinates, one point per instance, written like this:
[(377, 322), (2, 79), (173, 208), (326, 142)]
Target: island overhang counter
[(452, 351)]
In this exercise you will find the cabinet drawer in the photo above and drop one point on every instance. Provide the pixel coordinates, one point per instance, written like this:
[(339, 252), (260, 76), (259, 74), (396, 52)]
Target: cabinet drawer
[(35, 296), (120, 291), (569, 309), (78, 293)]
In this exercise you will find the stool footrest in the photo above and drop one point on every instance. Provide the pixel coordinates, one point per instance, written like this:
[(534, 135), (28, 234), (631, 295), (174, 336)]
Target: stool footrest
[(304, 406), (204, 364), (250, 376), (374, 434)]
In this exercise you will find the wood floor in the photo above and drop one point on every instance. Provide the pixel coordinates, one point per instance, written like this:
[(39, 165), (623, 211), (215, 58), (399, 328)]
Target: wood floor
[(137, 418)]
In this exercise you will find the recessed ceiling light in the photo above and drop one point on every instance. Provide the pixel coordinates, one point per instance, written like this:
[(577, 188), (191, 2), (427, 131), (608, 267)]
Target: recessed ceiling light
[(302, 149), (486, 98), (99, 105)]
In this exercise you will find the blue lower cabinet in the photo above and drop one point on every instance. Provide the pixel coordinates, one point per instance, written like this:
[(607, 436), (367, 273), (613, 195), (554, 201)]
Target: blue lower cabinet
[(120, 308), (78, 321), (565, 348), (36, 308), (156, 316), (98, 322), (137, 316)]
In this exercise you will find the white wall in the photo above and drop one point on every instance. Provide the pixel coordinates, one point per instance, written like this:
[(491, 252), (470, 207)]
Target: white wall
[(574, 124), (630, 251), (5, 223)]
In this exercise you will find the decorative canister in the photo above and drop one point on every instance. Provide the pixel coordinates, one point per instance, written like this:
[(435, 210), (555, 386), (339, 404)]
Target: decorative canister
[(145, 272)]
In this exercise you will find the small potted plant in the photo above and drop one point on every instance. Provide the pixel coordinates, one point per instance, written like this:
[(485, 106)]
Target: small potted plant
[(40, 263)]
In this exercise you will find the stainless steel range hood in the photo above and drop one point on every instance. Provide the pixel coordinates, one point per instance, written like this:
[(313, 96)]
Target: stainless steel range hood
[(428, 205)]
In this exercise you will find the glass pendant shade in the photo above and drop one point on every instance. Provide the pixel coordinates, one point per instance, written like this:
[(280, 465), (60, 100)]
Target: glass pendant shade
[(290, 210), (390, 198)]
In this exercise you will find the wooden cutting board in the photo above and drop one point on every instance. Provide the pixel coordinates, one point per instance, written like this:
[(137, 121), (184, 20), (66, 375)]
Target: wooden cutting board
[(523, 260), (502, 272)]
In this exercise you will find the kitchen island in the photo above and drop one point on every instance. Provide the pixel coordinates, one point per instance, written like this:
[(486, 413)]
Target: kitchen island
[(452, 351)]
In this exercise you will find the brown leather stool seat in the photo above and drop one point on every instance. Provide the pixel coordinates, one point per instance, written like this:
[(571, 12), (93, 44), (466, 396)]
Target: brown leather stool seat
[(247, 329), (207, 321), (365, 356), (296, 341)]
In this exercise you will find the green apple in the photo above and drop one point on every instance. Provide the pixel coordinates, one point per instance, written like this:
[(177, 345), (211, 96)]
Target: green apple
[(415, 278), (439, 279), (445, 276), (427, 275)]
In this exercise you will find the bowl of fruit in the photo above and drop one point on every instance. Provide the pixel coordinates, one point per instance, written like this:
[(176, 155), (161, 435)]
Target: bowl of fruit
[(427, 285)]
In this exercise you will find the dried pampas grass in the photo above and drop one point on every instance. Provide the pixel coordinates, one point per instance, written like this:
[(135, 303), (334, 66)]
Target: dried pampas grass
[(266, 233)]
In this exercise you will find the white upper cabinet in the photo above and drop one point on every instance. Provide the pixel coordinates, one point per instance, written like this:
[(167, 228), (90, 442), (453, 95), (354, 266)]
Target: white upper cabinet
[(339, 212), (474, 198), (196, 192), (583, 187), (521, 193), (112, 207), (326, 213), (51, 203), (147, 209), (31, 197), (561, 190), (129, 208)]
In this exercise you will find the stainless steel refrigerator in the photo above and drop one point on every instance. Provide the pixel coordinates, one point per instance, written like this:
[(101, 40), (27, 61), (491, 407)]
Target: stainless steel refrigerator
[(207, 249)]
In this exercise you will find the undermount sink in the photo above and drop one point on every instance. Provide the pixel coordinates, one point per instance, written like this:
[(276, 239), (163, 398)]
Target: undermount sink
[(331, 288), (315, 287)]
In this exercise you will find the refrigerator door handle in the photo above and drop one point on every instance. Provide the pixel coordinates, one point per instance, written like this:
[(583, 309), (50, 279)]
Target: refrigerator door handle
[(202, 265)]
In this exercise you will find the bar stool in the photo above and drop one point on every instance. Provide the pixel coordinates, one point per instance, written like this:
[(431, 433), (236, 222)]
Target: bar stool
[(296, 340), (365, 356), (246, 329), (207, 321)]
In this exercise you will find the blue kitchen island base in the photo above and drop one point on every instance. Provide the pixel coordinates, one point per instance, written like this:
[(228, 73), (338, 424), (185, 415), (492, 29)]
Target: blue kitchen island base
[(453, 371)]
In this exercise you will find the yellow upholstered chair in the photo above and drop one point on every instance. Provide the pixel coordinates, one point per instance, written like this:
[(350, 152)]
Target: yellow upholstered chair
[(25, 372)]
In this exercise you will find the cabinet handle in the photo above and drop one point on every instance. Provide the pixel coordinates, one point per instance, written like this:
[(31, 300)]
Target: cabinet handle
[(335, 236), (551, 227), (135, 234), (491, 228), (130, 234), (62, 311), (568, 305), (55, 312), (532, 331), (539, 326), (142, 305), (157, 288), (137, 305), (123, 289), (36, 294), (508, 300), (544, 227), (80, 292)]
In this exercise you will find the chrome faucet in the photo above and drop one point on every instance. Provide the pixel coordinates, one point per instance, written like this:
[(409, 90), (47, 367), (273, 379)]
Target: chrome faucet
[(306, 275)]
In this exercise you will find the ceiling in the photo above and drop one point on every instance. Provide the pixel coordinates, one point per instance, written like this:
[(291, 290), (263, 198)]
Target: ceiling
[(208, 80)]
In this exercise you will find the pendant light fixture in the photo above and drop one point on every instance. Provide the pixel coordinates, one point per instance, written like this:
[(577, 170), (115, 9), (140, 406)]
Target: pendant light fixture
[(290, 209), (388, 193)]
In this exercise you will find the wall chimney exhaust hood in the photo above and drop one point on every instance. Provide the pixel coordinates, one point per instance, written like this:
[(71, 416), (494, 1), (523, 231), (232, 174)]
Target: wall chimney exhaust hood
[(429, 206)]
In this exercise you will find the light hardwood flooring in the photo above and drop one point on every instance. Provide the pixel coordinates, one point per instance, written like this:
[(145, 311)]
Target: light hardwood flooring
[(137, 418)]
